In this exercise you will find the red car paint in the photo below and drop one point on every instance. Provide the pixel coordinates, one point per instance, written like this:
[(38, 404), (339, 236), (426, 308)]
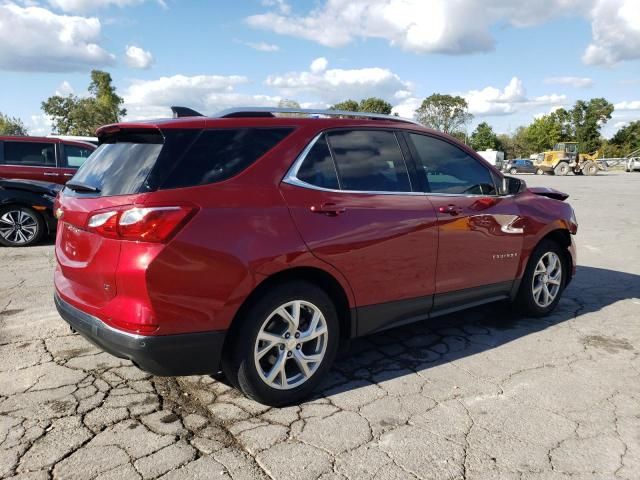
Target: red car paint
[(54, 169), (252, 227)]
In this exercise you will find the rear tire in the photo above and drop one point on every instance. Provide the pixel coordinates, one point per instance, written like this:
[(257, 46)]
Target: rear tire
[(543, 281), (268, 358), (20, 226), (539, 172), (513, 171), (590, 168), (562, 169)]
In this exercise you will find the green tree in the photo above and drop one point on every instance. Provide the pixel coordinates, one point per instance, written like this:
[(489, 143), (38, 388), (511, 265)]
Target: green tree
[(288, 103), (625, 141), (375, 105), (444, 112), (542, 134), (347, 106), (11, 126), (460, 135), (515, 145), (484, 138), (587, 118), (628, 137), (72, 115)]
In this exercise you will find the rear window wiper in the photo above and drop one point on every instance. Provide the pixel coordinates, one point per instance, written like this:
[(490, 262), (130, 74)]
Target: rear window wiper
[(82, 187)]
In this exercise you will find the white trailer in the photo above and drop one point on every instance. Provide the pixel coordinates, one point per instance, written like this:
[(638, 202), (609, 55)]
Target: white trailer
[(494, 157)]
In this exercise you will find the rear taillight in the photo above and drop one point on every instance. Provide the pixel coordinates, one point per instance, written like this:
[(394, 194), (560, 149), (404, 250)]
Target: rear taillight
[(143, 224)]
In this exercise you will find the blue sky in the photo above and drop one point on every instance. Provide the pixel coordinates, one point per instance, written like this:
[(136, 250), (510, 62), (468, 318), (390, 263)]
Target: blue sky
[(512, 60)]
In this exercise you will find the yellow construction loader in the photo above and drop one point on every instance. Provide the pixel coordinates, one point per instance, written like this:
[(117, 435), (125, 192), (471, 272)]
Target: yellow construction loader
[(564, 158)]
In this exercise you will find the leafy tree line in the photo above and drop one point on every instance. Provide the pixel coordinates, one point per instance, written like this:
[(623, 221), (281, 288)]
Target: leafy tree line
[(582, 123), (11, 126)]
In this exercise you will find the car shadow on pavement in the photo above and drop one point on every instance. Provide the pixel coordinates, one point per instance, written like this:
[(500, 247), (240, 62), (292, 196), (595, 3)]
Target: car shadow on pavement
[(417, 347)]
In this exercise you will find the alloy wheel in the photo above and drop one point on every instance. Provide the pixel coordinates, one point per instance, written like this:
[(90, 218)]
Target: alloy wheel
[(291, 345), (547, 279), (18, 227)]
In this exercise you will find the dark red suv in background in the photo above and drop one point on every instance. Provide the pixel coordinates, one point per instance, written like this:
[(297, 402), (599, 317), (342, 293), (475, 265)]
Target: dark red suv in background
[(255, 243), (42, 158)]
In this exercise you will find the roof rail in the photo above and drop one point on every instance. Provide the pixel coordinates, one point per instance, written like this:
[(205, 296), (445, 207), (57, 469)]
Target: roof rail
[(270, 111)]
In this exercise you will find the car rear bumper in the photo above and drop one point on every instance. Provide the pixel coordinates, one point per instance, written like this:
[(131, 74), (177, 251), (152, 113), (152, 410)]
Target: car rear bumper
[(164, 355)]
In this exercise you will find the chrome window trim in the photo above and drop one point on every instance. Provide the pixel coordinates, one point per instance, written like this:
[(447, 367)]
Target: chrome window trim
[(291, 176)]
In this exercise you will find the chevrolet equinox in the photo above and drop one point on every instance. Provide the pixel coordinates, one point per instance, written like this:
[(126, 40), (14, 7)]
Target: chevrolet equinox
[(254, 244)]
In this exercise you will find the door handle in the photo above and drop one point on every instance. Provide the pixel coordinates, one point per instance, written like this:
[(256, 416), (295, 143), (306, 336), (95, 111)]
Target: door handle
[(50, 174), (329, 209), (451, 210)]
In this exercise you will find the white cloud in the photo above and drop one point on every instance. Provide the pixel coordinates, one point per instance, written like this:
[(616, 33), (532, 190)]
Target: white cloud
[(204, 93), (616, 32), (90, 5), (262, 46), (319, 65), (577, 82), (334, 85), (407, 107), (39, 125), (139, 58), (628, 105), (444, 26), (494, 101), (64, 89), (35, 39)]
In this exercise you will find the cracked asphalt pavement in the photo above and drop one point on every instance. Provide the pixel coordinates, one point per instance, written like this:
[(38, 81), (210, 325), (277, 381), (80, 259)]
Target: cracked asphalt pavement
[(482, 394)]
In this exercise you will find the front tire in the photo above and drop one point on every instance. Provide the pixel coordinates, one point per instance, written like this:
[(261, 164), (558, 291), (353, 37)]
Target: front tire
[(543, 281), (562, 169), (20, 226), (513, 171), (285, 345)]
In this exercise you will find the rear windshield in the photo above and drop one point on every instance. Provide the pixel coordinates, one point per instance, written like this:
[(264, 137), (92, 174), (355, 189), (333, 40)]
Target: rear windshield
[(121, 164), (137, 162)]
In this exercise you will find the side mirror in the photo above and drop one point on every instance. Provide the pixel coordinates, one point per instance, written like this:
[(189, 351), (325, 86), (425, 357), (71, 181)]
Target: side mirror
[(512, 186)]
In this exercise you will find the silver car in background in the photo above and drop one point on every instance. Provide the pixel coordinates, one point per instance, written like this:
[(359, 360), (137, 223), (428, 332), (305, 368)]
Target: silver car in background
[(632, 164)]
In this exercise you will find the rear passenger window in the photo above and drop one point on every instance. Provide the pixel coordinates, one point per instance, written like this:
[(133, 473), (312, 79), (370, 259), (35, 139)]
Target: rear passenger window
[(220, 154), (318, 168), (450, 170), (369, 160), (76, 156), (30, 154)]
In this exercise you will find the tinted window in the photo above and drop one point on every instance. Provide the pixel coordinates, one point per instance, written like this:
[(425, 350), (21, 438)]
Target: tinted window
[(220, 154), (449, 169), (121, 165), (318, 167), (76, 156), (31, 154), (369, 160)]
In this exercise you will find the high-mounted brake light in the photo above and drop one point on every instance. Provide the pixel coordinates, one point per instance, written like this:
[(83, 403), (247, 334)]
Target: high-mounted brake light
[(143, 224)]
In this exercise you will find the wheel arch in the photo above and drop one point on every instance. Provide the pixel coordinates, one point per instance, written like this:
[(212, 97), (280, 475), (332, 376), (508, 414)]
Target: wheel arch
[(314, 275), (562, 237), (559, 235)]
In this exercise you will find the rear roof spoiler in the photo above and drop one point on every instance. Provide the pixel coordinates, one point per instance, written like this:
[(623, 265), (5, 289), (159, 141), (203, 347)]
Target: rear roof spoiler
[(181, 112)]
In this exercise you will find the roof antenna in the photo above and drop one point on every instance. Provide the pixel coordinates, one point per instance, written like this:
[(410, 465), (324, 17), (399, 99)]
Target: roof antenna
[(181, 112)]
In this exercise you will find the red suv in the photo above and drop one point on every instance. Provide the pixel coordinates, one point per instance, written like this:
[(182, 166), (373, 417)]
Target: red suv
[(42, 158), (254, 244)]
